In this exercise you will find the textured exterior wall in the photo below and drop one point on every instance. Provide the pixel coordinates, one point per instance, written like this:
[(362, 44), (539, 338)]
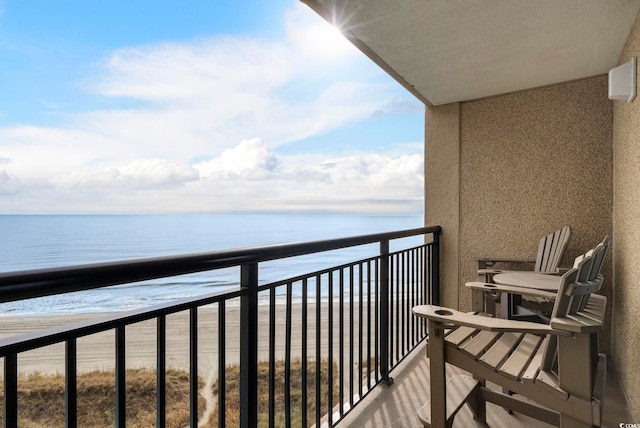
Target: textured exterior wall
[(626, 227), (531, 162), (442, 197)]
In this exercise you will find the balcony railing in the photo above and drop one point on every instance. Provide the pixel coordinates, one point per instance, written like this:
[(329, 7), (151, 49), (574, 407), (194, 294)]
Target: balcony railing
[(354, 320)]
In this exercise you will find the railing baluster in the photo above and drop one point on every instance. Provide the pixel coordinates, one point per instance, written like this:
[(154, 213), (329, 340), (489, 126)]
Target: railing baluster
[(193, 367), (71, 383), (397, 303), (368, 324), (360, 332), (429, 292), (272, 356), (403, 303), (392, 311), (304, 351), (351, 344), (249, 345), (412, 272), (161, 370), (427, 288), (376, 321), (412, 279), (11, 390), (330, 349), (397, 268), (423, 286), (222, 364), (415, 283), (341, 335), (318, 350), (121, 386), (426, 268), (287, 356), (385, 315)]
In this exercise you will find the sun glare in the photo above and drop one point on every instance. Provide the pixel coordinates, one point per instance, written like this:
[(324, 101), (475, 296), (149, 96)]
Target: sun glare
[(327, 40), (317, 38)]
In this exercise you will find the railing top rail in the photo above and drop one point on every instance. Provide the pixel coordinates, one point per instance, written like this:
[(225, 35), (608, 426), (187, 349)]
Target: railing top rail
[(44, 282)]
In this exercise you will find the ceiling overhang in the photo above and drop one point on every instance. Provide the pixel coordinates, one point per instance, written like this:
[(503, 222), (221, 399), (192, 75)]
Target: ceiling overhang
[(445, 51)]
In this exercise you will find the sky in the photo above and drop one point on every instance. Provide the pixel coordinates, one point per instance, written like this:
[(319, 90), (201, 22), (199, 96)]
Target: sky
[(198, 106)]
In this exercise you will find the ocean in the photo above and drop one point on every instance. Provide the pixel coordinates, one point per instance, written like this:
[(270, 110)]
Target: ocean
[(42, 241)]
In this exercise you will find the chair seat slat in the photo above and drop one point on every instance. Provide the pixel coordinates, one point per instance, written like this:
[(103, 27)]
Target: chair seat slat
[(531, 372), (479, 343), (520, 358), (460, 335), (501, 349)]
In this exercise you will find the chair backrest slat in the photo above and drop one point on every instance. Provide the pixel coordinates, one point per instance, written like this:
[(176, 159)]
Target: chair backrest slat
[(551, 249)]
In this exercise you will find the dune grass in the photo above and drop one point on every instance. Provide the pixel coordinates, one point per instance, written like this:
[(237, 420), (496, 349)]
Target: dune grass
[(232, 382), (41, 399)]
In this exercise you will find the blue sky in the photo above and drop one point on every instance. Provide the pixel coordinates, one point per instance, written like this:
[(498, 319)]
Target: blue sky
[(197, 106)]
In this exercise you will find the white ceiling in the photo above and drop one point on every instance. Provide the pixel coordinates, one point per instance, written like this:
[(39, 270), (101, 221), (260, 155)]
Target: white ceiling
[(455, 50)]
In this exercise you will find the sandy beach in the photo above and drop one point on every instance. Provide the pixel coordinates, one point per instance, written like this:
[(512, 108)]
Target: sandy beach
[(97, 351)]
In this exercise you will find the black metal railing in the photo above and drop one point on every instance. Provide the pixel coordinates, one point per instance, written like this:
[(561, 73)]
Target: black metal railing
[(347, 326)]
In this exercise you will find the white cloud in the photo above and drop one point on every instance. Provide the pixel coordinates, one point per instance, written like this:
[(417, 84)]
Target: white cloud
[(139, 174), (249, 176), (7, 184), (200, 98), (41, 153), (250, 159), (197, 73)]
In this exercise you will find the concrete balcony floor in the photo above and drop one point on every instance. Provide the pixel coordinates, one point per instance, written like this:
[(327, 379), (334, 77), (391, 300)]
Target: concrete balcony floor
[(397, 406)]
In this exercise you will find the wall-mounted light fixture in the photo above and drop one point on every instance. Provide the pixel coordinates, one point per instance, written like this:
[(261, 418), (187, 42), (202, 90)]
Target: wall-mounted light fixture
[(622, 81)]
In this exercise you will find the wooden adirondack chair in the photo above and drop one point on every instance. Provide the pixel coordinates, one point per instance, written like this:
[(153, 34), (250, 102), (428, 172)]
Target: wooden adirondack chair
[(551, 249), (555, 366), (539, 300)]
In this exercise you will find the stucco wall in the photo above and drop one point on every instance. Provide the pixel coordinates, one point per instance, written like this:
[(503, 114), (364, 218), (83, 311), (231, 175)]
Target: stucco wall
[(442, 206), (531, 162), (626, 227)]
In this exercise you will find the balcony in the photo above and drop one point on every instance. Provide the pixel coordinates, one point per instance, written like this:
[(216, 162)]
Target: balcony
[(353, 321)]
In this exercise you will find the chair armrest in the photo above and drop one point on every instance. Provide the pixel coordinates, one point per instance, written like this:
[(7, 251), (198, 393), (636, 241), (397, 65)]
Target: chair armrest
[(576, 324), (497, 288), (484, 262), (589, 320), (489, 271), (450, 317)]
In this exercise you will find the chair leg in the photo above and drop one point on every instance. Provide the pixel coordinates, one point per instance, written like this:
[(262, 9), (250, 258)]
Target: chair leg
[(508, 392), (437, 376), (478, 404)]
